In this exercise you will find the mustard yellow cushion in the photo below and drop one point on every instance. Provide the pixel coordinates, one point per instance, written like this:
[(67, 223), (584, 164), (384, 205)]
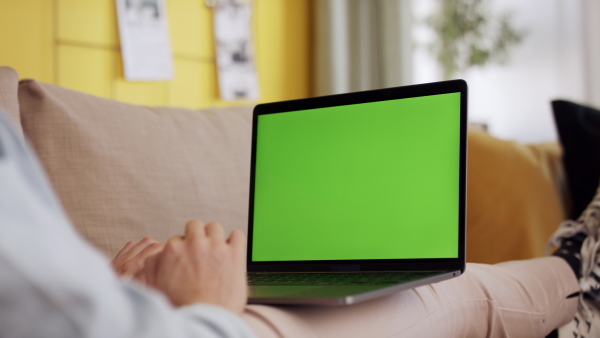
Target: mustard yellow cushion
[(514, 198)]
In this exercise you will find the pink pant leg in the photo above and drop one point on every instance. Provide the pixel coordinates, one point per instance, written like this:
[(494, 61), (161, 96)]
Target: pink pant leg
[(517, 299)]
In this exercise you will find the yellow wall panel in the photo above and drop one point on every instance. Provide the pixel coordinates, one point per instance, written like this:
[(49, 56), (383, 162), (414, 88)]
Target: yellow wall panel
[(90, 70), (191, 28), (193, 86), (74, 43), (26, 37), (87, 21), (142, 93), (283, 48), (149, 93)]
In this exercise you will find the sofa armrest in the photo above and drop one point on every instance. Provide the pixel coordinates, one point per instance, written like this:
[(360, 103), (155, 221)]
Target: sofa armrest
[(9, 104)]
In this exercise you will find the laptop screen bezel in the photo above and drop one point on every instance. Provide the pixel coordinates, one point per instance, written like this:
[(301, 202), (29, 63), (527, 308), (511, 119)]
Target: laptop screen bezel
[(436, 264)]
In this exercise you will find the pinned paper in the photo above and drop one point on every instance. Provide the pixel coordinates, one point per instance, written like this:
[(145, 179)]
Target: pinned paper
[(145, 40), (238, 79)]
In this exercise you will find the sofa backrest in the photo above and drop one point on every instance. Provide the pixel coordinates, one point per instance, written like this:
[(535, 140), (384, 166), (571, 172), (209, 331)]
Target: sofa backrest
[(124, 171)]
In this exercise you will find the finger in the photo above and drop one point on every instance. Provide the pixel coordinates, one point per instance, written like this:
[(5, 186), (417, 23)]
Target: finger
[(129, 268), (237, 240), (194, 228), (150, 250), (215, 231), (149, 270), (173, 246), (139, 247), (122, 255), (172, 253), (139, 262), (135, 264), (125, 249)]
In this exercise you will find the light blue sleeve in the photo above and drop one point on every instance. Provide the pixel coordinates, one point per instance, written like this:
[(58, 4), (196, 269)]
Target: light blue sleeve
[(54, 284)]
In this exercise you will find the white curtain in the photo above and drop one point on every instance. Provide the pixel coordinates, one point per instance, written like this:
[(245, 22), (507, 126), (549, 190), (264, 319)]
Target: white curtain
[(592, 50), (361, 45), (368, 44)]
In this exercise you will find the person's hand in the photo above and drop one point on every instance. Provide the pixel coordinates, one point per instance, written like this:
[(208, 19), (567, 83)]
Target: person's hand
[(201, 266), (129, 262)]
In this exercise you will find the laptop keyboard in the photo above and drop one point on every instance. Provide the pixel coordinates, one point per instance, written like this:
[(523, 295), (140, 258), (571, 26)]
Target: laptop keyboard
[(333, 278)]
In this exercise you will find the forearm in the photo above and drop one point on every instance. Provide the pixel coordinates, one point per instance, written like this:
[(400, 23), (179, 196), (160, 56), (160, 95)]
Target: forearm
[(53, 307), (151, 315)]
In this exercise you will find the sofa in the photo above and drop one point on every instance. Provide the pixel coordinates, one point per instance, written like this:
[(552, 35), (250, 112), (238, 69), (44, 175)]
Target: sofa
[(124, 172)]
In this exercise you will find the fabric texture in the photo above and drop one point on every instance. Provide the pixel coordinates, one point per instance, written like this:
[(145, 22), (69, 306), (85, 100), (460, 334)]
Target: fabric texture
[(579, 133), (55, 285), (9, 103), (124, 172), (514, 202)]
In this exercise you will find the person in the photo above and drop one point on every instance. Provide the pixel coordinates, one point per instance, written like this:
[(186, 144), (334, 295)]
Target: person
[(54, 284)]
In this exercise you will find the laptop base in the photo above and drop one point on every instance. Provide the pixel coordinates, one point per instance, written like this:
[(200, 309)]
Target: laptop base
[(334, 295)]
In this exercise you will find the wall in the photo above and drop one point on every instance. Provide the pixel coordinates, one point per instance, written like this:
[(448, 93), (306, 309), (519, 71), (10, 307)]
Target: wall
[(75, 44), (514, 99)]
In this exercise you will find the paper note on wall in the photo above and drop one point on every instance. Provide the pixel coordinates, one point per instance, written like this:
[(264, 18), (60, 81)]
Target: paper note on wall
[(238, 79), (145, 40)]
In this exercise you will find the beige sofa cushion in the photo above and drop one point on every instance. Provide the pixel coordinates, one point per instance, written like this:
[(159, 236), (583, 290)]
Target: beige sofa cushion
[(9, 104), (514, 198), (125, 171)]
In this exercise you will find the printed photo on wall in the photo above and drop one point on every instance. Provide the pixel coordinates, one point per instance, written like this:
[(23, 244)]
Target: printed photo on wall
[(145, 40), (238, 79)]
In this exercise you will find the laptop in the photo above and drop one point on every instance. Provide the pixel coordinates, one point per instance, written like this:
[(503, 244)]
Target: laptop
[(358, 195)]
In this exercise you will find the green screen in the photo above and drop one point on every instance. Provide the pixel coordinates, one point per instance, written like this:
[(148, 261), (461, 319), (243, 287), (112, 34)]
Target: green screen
[(375, 180)]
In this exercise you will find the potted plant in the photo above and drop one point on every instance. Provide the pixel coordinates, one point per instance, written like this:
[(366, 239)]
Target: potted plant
[(468, 35)]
